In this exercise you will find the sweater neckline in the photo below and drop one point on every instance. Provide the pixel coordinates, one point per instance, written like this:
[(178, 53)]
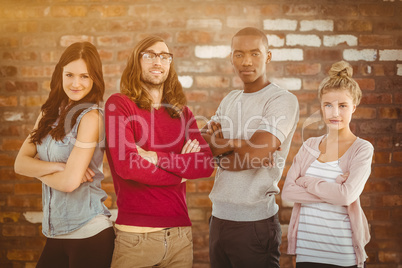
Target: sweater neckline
[(344, 154)]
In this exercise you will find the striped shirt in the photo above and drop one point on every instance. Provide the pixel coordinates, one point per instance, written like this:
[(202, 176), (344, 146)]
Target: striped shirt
[(324, 234)]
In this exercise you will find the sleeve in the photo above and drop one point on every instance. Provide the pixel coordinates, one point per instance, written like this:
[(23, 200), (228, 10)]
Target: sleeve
[(190, 165), (280, 116), (349, 191), (121, 145), (293, 192)]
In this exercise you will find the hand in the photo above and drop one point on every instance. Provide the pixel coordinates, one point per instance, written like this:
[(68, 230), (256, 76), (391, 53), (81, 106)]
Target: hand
[(270, 162), (342, 178), (191, 146), (150, 156), (215, 129), (88, 176)]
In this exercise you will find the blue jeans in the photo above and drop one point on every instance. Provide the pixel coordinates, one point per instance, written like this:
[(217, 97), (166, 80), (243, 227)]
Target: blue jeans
[(244, 244)]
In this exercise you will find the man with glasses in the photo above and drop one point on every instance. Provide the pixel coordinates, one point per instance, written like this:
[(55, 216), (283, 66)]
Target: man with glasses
[(153, 147), (245, 134)]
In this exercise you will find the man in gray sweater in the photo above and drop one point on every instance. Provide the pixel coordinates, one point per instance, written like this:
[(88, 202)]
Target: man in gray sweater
[(250, 135)]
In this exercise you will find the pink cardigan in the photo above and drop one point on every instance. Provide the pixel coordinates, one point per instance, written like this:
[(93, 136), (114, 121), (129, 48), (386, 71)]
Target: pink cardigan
[(298, 188)]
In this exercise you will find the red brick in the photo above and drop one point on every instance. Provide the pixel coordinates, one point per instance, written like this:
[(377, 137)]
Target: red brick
[(8, 101), (205, 186), (181, 52), (300, 10), (369, 127), (8, 71), (194, 37), (397, 157), (323, 55), (6, 188), (389, 112), (376, 40), (21, 27), (9, 216), (384, 142), (373, 214), (303, 69), (199, 201), (382, 157), (386, 230), (389, 257), (8, 42), (27, 202), (28, 188), (127, 25), (109, 10), (398, 98), (115, 40), (387, 172), (340, 10), (393, 200), (270, 9), (20, 55), (311, 83), (108, 187), (18, 230), (375, 98), (377, 186), (68, 11), (212, 81), (353, 26), (21, 86), (365, 113), (399, 127), (389, 84), (22, 255), (366, 83), (6, 160), (196, 95), (191, 186), (373, 10)]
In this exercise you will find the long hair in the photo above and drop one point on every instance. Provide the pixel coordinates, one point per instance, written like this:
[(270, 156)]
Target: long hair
[(340, 78), (57, 106), (132, 86)]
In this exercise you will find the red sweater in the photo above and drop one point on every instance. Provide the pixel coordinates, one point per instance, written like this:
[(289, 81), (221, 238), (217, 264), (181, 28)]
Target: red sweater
[(149, 195)]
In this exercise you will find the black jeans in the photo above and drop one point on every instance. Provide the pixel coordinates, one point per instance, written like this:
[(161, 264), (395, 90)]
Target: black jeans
[(244, 244), (95, 251)]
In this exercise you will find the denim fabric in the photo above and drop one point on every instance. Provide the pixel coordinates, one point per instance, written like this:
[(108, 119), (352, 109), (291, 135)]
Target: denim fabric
[(66, 212)]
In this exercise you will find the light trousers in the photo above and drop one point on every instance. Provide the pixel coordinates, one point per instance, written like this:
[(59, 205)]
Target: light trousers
[(172, 247)]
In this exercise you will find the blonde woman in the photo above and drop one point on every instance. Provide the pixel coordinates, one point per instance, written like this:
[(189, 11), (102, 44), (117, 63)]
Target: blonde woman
[(328, 227)]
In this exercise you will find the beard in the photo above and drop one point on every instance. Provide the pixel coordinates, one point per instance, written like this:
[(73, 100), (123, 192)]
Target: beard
[(153, 82)]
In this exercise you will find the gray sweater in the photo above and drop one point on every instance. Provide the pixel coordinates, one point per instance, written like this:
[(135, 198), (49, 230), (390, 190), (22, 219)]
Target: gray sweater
[(249, 195)]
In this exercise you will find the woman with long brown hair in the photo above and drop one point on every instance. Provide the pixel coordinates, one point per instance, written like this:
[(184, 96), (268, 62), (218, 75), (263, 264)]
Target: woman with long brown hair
[(64, 151)]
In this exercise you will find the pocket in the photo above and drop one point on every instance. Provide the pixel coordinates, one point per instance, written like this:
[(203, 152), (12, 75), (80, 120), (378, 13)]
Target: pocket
[(188, 234), (127, 241), (275, 236), (262, 233)]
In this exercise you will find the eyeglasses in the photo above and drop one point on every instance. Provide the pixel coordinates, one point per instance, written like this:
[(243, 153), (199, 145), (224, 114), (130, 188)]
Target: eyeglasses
[(149, 57)]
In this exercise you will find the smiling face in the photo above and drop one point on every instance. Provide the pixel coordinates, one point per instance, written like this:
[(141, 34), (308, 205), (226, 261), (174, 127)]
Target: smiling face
[(337, 108), (249, 58), (76, 80), (156, 72)]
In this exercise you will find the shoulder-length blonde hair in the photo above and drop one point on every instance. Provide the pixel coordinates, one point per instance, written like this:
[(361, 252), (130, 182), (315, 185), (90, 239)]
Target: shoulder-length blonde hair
[(340, 78), (132, 86), (57, 106)]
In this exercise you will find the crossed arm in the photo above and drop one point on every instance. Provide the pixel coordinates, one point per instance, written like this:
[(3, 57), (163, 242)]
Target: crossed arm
[(65, 177), (240, 154), (343, 192)]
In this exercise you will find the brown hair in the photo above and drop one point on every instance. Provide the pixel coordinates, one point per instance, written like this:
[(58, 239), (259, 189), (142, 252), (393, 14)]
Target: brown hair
[(57, 106), (340, 78), (132, 86)]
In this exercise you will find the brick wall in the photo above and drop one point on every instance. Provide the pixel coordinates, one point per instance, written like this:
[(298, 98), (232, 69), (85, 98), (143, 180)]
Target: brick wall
[(306, 37)]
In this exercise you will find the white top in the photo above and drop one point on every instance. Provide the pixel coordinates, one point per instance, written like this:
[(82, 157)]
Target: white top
[(92, 228), (324, 234)]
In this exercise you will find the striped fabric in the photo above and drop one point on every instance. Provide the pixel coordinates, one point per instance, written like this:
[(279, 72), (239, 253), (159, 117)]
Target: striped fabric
[(324, 233)]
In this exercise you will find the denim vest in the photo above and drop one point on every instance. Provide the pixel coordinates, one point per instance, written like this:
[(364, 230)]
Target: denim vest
[(66, 212)]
